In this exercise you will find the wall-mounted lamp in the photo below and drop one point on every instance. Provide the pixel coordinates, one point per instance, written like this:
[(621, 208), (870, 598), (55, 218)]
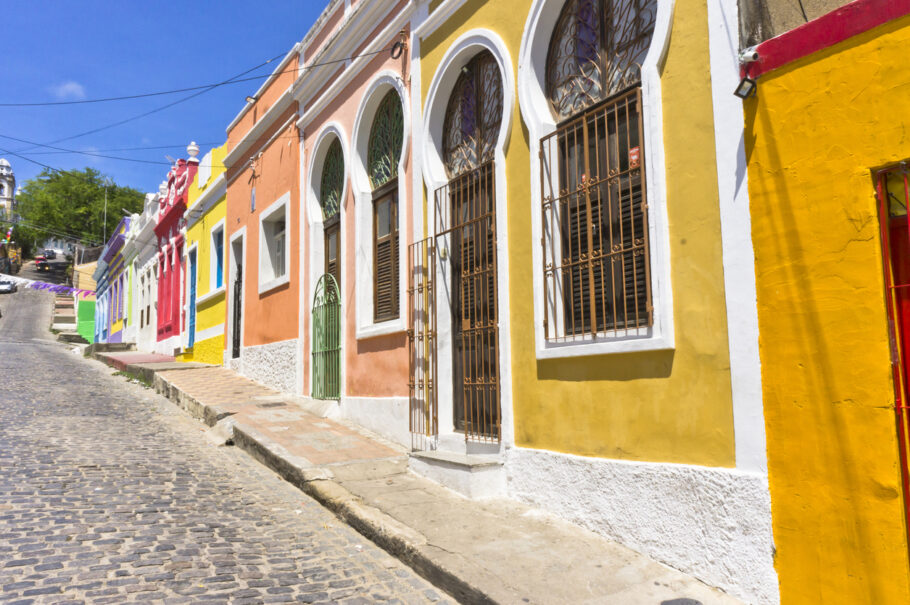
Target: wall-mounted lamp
[(746, 88), (250, 99)]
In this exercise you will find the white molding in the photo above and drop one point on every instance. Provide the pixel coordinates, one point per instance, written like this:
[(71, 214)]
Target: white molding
[(185, 333), (205, 298), (207, 200), (309, 85), (264, 85), (211, 332), (315, 227), (439, 16), (213, 259), (736, 238), (232, 278), (459, 53), (382, 83), (283, 203), (282, 103), (535, 110)]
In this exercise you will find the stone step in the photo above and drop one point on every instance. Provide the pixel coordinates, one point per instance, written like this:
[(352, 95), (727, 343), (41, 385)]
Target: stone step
[(75, 337)]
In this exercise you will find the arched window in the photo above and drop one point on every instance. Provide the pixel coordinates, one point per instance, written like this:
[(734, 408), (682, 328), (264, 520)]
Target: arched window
[(330, 190), (596, 51), (473, 115), (332, 182), (596, 262), (386, 137)]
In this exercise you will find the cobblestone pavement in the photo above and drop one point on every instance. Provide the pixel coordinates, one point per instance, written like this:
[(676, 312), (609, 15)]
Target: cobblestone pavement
[(110, 494)]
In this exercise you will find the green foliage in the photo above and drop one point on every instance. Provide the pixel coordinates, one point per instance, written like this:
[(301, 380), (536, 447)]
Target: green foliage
[(72, 203)]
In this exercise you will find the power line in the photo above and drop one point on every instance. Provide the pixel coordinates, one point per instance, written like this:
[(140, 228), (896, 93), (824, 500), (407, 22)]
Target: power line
[(64, 234), (233, 80), (175, 146), (88, 153), (205, 87)]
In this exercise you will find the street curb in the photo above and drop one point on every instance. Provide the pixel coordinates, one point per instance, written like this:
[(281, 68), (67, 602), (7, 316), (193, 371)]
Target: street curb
[(393, 536)]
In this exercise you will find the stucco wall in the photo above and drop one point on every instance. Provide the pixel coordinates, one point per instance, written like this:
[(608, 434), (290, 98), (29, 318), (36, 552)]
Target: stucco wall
[(813, 133), (377, 366), (270, 316), (672, 406)]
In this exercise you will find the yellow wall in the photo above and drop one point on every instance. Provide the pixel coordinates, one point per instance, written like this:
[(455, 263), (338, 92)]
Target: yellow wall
[(814, 131), (212, 312), (659, 406)]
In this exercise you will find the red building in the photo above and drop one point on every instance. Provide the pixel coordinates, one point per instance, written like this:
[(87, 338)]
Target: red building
[(169, 231)]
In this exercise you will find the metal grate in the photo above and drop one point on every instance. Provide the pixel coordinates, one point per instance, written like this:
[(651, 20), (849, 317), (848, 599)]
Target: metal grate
[(893, 193), (596, 266), (422, 383), (466, 228), (326, 339), (596, 51)]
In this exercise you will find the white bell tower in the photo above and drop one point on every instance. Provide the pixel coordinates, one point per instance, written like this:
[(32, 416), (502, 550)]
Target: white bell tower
[(7, 190)]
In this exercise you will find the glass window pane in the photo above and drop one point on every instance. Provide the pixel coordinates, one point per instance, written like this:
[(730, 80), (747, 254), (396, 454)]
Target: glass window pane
[(383, 218)]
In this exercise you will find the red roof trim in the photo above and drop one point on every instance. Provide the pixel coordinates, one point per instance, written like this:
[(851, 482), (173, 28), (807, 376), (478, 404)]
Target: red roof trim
[(849, 20)]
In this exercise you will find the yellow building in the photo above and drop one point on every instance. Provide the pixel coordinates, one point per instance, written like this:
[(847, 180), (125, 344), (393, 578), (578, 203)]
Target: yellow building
[(826, 126), (585, 253), (203, 336)]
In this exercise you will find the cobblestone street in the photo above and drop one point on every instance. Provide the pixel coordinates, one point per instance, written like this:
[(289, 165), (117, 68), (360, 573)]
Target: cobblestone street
[(109, 493)]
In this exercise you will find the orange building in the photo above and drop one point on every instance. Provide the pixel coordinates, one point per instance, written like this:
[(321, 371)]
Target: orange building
[(262, 161)]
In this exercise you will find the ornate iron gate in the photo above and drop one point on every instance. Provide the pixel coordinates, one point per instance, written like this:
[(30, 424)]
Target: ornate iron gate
[(326, 339), (423, 416)]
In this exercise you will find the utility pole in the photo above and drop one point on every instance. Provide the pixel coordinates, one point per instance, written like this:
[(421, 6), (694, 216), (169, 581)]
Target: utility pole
[(104, 226)]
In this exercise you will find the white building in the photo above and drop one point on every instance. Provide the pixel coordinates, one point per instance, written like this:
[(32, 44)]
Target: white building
[(7, 190)]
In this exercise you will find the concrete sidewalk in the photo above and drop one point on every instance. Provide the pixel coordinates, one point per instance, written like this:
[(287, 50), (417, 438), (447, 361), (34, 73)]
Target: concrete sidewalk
[(492, 551)]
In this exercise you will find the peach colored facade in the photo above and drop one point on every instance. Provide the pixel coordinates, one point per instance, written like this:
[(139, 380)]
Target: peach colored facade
[(340, 104)]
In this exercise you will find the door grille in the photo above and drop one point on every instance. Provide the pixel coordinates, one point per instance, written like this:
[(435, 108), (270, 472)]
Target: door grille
[(326, 339)]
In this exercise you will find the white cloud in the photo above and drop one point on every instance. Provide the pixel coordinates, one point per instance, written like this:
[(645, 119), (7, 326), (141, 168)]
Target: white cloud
[(70, 90)]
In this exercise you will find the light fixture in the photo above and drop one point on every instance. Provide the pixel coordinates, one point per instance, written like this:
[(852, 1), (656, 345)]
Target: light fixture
[(746, 88), (250, 99)]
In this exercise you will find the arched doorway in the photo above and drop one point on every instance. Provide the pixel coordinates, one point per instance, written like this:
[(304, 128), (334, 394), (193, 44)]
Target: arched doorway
[(326, 331)]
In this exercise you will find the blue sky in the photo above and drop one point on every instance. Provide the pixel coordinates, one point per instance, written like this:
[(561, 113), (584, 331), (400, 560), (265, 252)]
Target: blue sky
[(53, 50)]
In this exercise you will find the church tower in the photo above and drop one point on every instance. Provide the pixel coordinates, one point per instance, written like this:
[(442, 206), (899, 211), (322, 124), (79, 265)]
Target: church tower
[(7, 190)]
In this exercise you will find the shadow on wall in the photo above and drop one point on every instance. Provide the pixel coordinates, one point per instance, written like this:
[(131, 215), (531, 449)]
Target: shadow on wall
[(389, 342), (831, 472), (626, 366)]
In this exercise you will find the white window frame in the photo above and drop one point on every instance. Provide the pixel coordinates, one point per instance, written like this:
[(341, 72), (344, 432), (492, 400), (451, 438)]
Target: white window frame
[(535, 109), (213, 263), (267, 279), (367, 327)]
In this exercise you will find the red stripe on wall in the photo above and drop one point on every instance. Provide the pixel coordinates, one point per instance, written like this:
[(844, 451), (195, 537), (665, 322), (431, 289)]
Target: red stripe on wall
[(849, 20)]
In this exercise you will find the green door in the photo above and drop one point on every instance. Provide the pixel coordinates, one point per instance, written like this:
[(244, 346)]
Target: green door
[(327, 339)]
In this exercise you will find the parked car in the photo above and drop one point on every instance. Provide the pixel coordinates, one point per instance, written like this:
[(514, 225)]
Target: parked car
[(41, 263), (8, 287), (50, 254)]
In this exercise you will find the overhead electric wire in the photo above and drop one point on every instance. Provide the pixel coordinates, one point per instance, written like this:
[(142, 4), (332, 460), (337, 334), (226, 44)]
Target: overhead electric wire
[(176, 146), (64, 234), (205, 87), (89, 153), (157, 109), (233, 80)]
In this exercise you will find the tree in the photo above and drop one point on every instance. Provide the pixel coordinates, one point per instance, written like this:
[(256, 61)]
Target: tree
[(71, 203)]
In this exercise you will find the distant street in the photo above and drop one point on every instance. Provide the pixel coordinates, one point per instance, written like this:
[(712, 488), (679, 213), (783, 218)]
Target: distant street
[(57, 274), (109, 494)]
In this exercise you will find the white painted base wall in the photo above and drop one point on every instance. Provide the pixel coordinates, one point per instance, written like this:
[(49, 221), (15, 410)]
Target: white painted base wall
[(274, 364), (712, 523), (385, 416)]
